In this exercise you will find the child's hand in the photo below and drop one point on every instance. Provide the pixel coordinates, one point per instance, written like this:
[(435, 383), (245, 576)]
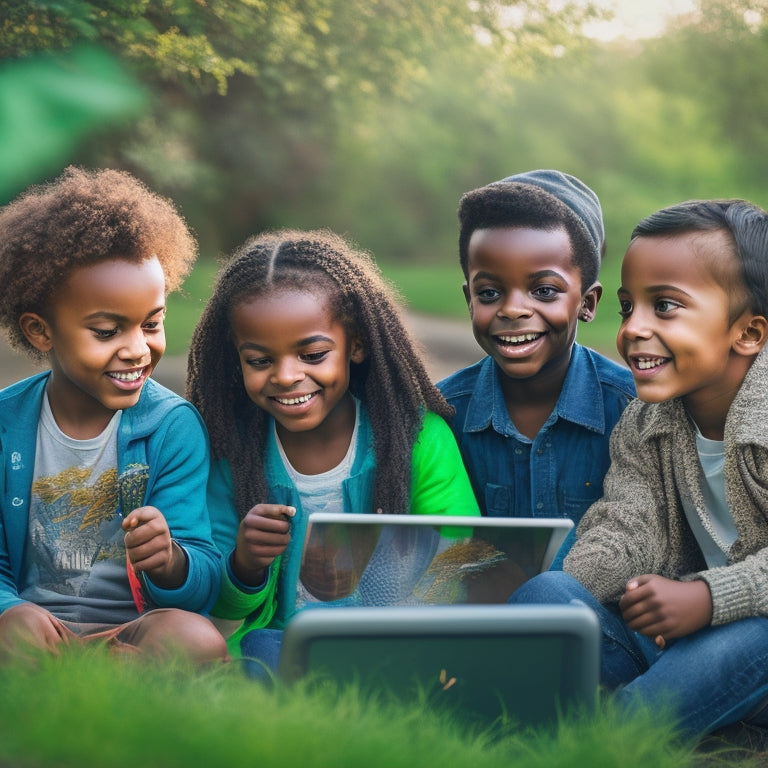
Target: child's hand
[(150, 548), (263, 535), (665, 609)]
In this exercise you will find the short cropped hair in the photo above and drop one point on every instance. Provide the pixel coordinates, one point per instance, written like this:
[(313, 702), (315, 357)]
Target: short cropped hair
[(745, 226), (82, 218), (512, 204)]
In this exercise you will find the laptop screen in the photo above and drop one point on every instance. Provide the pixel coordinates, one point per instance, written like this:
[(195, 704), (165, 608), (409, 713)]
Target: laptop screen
[(379, 560)]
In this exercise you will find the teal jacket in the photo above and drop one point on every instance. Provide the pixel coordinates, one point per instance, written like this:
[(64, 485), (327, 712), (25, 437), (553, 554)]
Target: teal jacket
[(439, 486), (163, 458)]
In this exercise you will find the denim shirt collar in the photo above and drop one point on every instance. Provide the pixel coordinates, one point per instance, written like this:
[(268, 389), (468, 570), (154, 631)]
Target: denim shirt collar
[(580, 401)]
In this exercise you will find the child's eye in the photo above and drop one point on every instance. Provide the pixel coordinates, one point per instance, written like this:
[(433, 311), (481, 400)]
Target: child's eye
[(154, 325), (545, 292), (257, 362), (487, 295), (625, 308), (104, 333), (314, 357), (665, 306)]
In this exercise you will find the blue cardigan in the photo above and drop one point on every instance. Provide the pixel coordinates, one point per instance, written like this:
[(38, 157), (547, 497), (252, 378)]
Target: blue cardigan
[(162, 448)]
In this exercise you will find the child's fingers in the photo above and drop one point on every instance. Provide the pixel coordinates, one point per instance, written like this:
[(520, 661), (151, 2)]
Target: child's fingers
[(136, 518), (277, 519), (149, 561), (265, 537), (142, 530), (141, 516), (276, 511), (131, 525)]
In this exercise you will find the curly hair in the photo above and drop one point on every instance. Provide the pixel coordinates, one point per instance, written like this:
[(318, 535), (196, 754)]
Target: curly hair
[(82, 218), (513, 204), (392, 380)]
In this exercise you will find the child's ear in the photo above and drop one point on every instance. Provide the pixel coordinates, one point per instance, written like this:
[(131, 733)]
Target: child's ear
[(36, 331), (753, 335), (357, 352), (589, 303)]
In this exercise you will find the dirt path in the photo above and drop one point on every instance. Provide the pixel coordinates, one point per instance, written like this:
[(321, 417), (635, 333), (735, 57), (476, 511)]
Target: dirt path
[(447, 345)]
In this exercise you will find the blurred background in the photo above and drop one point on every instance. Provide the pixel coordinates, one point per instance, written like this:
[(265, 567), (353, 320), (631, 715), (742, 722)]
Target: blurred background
[(372, 117)]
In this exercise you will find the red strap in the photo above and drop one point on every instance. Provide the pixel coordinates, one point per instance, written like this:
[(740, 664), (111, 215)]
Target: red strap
[(135, 584)]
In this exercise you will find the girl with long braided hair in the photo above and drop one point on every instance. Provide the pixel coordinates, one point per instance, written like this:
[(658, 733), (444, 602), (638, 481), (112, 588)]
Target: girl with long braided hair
[(315, 399)]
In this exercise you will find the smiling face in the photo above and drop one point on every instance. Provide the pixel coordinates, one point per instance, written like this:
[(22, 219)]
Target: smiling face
[(295, 359), (104, 335), (525, 299), (677, 333)]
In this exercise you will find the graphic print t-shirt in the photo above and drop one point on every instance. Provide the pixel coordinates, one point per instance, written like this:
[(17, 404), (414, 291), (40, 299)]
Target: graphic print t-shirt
[(75, 563)]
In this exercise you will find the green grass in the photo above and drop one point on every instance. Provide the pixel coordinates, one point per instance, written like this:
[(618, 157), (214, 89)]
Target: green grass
[(430, 289), (86, 709)]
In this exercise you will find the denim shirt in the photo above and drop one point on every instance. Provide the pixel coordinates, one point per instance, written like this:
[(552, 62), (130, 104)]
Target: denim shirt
[(560, 472)]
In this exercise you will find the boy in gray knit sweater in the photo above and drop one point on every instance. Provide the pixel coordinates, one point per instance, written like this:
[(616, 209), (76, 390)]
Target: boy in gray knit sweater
[(674, 557)]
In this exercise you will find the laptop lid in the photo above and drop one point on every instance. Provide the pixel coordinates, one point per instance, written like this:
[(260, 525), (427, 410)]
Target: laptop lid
[(527, 663), (378, 560)]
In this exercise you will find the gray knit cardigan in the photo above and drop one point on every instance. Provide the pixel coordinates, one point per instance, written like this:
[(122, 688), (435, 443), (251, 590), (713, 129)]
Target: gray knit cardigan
[(639, 525)]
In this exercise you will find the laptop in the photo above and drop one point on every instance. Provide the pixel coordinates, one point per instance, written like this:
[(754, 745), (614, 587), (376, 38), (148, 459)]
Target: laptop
[(521, 665), (386, 560)]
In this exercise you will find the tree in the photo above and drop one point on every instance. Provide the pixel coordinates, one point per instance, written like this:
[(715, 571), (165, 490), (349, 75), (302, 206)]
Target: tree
[(252, 96), (719, 58)]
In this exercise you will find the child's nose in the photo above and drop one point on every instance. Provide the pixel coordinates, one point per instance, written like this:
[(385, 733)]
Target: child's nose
[(515, 305), (636, 326), (135, 347), (287, 372)]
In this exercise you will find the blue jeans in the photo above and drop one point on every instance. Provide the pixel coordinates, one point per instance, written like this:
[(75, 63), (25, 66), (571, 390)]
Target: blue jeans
[(260, 649), (712, 678)]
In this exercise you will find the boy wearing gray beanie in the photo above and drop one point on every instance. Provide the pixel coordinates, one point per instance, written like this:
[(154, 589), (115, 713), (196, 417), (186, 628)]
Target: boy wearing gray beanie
[(534, 417)]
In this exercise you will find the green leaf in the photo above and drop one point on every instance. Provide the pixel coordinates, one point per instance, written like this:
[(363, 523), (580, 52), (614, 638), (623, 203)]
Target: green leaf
[(49, 104)]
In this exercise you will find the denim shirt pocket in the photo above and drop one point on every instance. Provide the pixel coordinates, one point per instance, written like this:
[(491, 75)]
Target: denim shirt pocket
[(498, 500)]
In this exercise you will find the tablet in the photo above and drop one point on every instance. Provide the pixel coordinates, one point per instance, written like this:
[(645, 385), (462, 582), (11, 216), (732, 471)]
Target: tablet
[(379, 560)]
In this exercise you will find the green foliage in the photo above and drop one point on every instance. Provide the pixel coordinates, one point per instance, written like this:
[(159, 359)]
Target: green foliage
[(372, 118), (158, 34), (49, 104), (717, 62), (255, 99), (294, 50), (87, 709)]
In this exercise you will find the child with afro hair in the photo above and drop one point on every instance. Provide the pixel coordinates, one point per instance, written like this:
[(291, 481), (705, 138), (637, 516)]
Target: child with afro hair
[(104, 531)]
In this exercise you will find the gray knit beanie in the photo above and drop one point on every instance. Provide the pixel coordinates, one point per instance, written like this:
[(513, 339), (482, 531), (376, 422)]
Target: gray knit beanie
[(574, 193)]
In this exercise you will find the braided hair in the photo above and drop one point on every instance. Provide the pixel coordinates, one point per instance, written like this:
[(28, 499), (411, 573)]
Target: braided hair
[(392, 380)]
